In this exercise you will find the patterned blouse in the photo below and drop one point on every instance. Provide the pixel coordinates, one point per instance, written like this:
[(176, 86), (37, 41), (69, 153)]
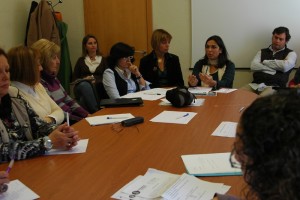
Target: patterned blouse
[(19, 147)]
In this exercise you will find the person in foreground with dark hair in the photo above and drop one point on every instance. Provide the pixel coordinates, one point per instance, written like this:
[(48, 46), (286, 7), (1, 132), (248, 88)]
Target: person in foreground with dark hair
[(122, 76), (214, 69), (267, 147), (273, 65)]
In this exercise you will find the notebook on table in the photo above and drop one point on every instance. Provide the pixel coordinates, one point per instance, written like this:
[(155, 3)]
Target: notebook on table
[(121, 102)]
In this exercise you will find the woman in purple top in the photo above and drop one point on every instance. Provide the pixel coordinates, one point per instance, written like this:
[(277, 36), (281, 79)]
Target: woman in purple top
[(50, 61)]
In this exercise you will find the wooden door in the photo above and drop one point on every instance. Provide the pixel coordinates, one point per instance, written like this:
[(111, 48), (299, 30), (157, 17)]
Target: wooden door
[(113, 21)]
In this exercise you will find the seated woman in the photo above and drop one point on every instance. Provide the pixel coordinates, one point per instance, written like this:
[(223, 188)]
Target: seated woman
[(50, 61), (90, 66), (23, 134), (161, 68), (122, 76), (267, 147), (215, 69), (25, 71)]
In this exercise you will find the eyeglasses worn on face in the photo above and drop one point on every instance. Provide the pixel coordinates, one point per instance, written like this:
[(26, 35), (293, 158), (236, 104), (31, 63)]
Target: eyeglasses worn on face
[(233, 162), (128, 58)]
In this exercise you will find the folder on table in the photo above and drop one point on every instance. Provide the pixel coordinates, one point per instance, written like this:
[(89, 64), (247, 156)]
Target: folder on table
[(214, 164)]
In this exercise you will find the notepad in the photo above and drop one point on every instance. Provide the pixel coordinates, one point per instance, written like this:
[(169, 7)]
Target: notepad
[(108, 119), (215, 164)]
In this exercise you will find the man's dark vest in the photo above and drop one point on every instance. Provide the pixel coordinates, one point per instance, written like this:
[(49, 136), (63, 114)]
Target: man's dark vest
[(280, 78)]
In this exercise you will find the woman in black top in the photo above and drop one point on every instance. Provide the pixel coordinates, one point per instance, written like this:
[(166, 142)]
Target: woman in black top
[(161, 68)]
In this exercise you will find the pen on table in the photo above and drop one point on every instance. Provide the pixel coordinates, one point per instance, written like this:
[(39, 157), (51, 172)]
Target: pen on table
[(116, 117), (153, 93), (11, 163), (68, 120), (185, 115), (242, 108)]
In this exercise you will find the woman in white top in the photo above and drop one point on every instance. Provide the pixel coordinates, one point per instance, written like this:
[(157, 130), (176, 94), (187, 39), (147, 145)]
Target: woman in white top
[(25, 71), (122, 76), (89, 67)]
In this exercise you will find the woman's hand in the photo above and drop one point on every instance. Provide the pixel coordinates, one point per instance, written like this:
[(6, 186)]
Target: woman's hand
[(3, 179), (134, 70), (192, 80), (207, 79), (64, 137)]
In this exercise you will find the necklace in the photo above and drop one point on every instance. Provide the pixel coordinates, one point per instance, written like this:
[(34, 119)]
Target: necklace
[(159, 60)]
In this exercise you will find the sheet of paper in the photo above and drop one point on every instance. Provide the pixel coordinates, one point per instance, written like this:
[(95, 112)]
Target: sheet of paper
[(160, 185), (199, 90), (151, 95), (215, 164), (174, 117), (190, 187), (197, 102), (79, 148), (120, 194), (226, 129), (225, 90), (108, 119), (18, 191)]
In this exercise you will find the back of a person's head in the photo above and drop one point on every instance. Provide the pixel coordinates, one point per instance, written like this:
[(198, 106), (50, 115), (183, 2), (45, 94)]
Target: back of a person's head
[(23, 63), (47, 50), (281, 29), (270, 139), (118, 51), (158, 36)]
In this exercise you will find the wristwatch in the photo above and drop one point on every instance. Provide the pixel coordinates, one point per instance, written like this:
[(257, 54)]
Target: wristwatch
[(47, 143)]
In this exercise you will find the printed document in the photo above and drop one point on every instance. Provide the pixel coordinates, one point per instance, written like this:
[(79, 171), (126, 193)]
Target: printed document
[(151, 95), (174, 117), (108, 119), (159, 185), (79, 148), (214, 164), (18, 191), (226, 129), (197, 102)]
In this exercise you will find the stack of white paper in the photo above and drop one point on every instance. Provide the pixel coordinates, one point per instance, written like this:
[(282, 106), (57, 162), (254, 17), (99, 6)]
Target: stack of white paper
[(196, 102), (151, 95), (157, 184), (214, 164)]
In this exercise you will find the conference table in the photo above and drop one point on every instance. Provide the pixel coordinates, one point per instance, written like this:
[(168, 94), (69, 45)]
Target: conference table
[(114, 157)]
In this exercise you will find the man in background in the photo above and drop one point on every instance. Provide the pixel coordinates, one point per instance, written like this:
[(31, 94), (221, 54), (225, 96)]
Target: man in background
[(272, 66)]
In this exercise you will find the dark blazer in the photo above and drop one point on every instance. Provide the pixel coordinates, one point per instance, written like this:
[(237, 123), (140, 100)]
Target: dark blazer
[(149, 70)]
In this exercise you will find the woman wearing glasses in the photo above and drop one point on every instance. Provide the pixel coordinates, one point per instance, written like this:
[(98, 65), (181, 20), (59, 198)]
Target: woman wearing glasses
[(122, 76), (267, 147)]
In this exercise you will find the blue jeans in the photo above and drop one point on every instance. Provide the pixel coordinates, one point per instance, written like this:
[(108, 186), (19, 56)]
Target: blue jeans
[(86, 97)]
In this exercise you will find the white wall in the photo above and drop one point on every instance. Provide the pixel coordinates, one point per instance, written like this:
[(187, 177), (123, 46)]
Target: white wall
[(172, 15)]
